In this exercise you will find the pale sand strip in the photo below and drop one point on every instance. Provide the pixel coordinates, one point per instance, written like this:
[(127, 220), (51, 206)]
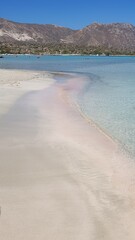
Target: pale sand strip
[(61, 178), (14, 83)]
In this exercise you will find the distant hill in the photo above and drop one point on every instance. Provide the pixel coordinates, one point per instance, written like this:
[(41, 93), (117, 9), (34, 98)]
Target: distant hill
[(119, 37), (116, 36), (39, 33)]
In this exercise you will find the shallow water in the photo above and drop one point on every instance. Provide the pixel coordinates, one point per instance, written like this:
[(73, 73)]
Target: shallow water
[(109, 98)]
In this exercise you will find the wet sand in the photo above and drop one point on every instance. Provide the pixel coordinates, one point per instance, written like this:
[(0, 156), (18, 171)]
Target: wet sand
[(60, 177)]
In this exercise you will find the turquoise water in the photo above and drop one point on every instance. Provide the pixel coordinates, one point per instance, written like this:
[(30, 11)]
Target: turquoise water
[(109, 98)]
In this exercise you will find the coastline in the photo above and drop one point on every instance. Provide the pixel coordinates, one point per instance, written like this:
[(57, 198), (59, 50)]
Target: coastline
[(70, 54), (58, 169)]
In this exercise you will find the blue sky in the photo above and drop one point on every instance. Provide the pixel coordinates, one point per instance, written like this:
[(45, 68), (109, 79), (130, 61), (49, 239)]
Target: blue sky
[(69, 13)]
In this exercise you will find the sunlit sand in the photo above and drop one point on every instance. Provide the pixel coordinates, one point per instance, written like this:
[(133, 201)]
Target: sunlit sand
[(60, 176)]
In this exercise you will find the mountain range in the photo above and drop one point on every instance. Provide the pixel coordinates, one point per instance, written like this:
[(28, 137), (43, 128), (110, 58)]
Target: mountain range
[(114, 37)]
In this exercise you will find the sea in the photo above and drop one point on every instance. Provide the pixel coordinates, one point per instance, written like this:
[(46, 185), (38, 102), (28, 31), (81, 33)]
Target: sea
[(108, 99)]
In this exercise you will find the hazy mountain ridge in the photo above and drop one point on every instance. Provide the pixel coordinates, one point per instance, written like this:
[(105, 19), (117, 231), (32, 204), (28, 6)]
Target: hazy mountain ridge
[(117, 36), (45, 33)]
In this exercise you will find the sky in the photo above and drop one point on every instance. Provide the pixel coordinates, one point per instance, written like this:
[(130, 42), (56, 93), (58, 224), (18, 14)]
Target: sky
[(74, 14)]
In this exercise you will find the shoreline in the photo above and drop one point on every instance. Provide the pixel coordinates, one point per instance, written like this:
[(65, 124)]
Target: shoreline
[(90, 121), (57, 169), (54, 76), (85, 55)]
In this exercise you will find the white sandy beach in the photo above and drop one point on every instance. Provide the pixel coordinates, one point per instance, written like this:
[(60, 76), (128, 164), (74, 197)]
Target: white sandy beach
[(60, 177)]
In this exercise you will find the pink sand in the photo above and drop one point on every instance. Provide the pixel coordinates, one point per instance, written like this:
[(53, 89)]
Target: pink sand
[(60, 177)]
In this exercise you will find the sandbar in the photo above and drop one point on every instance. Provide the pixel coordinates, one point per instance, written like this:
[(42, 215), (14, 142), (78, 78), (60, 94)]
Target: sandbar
[(60, 177)]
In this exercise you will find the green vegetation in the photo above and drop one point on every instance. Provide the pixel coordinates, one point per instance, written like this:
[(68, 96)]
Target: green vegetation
[(30, 48)]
